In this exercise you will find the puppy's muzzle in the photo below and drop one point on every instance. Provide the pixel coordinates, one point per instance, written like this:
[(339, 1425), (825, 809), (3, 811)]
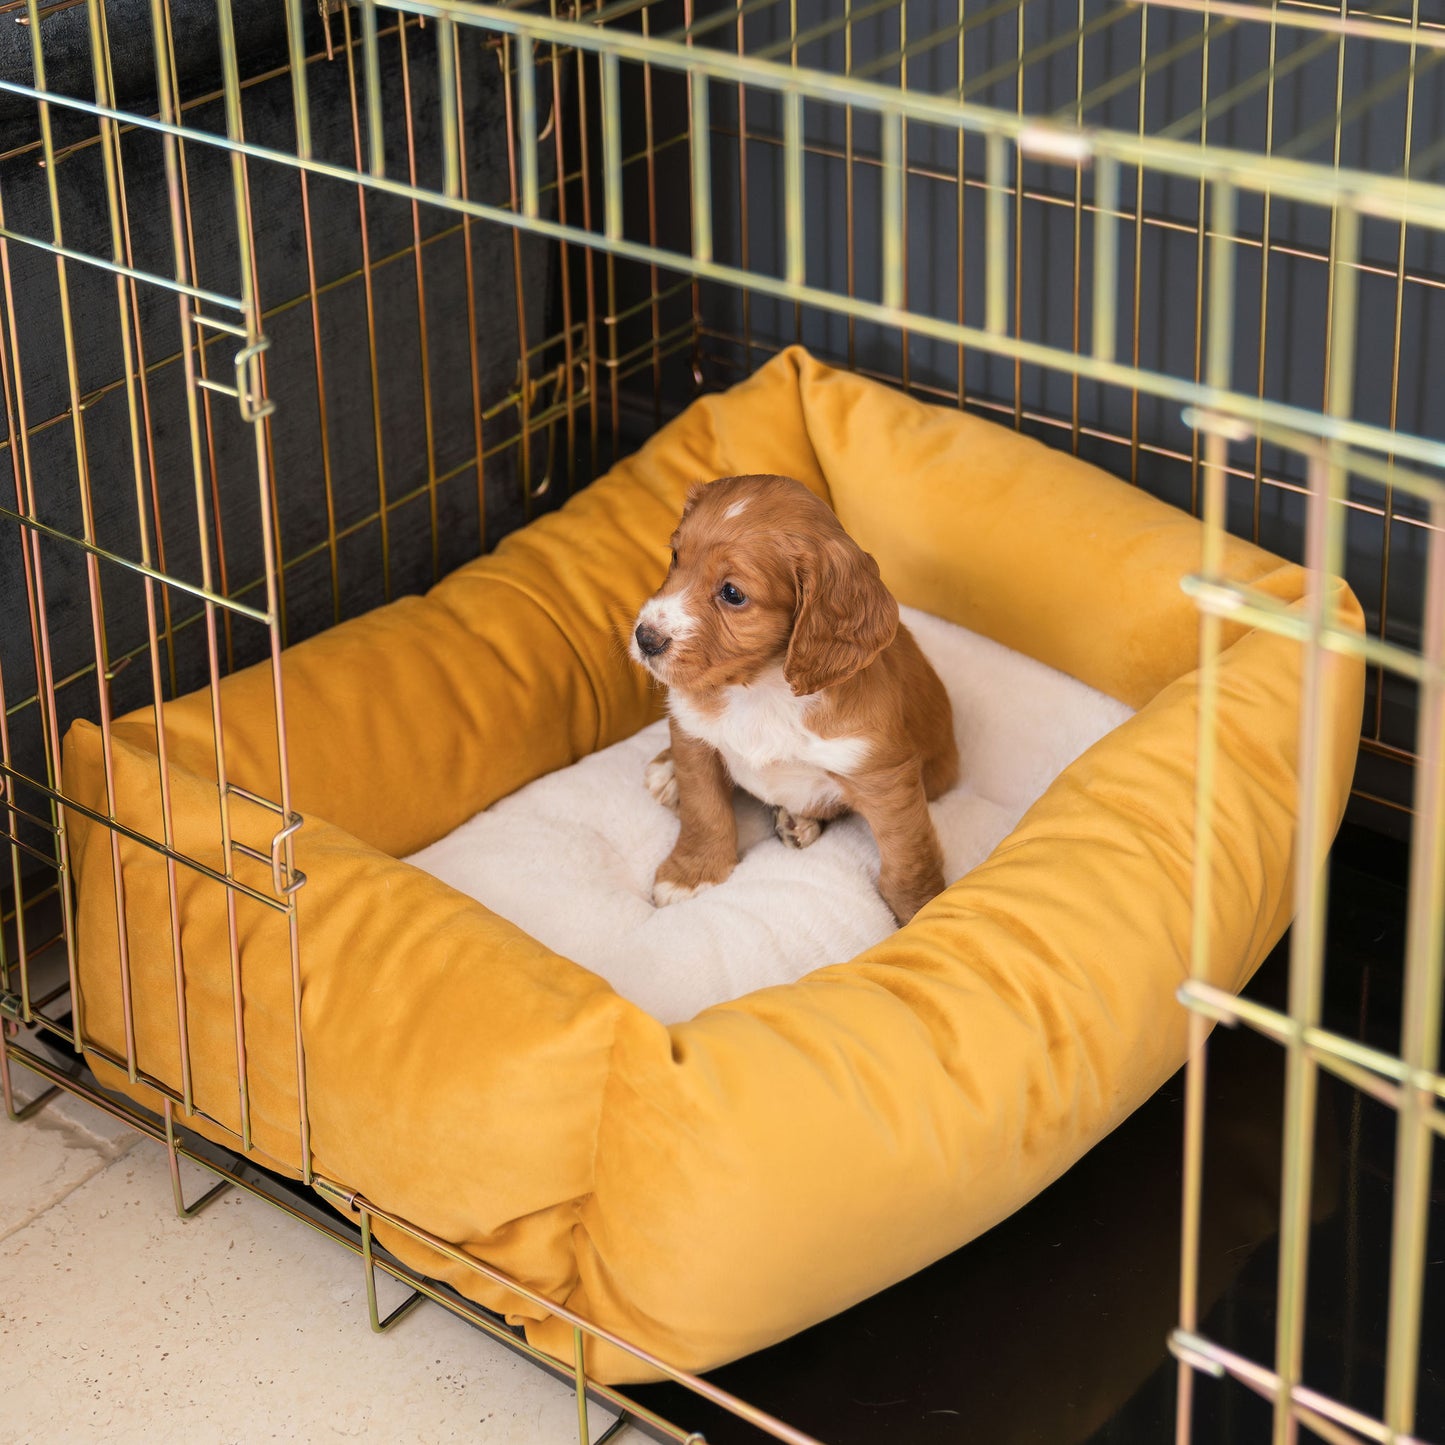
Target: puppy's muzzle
[(651, 642)]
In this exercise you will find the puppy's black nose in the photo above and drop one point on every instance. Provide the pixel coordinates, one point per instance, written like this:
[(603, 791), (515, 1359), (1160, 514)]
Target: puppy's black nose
[(651, 641)]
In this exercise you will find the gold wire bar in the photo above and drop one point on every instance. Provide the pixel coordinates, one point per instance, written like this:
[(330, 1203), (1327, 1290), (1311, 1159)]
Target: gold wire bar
[(1222, 260), (184, 1210), (139, 568), (1373, 1070), (793, 211), (1106, 256), (1321, 1413), (366, 273), (245, 259), (470, 282), (423, 345), (116, 267), (519, 299), (1385, 196), (446, 83), (1229, 599), (894, 206), (527, 105), (300, 99), (611, 148), (1420, 1018), (379, 1325), (93, 589), (699, 141), (579, 1385), (1375, 27), (15, 414), (274, 575), (371, 67), (1388, 529), (347, 1199), (996, 259), (1324, 544)]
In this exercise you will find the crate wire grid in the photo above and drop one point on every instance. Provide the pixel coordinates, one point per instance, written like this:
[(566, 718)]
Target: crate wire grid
[(1350, 465)]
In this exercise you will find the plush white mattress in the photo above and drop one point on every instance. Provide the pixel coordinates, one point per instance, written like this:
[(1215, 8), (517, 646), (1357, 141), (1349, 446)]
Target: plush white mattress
[(570, 857)]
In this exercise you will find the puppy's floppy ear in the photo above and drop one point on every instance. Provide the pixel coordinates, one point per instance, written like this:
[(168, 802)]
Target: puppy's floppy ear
[(845, 616)]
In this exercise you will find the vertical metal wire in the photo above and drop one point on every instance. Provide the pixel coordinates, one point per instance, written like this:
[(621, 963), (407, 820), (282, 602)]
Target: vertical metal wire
[(92, 577), (167, 48), (564, 269), (323, 424), (905, 364), (1388, 502), (589, 273), (745, 241), (653, 276), (300, 98), (470, 285), (446, 85), (699, 145), (527, 103), (1200, 248), (371, 67), (611, 148), (1221, 336), (579, 1384), (519, 297), (793, 209), (996, 256), (1106, 257), (428, 412), (383, 510), (1420, 1017), (1137, 311), (894, 182), (959, 219), (1264, 262), (1324, 546)]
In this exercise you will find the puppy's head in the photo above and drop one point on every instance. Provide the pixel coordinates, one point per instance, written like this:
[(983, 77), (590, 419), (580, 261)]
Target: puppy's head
[(763, 574)]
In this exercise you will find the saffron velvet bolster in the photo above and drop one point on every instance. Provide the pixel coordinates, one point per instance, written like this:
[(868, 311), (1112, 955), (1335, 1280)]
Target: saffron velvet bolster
[(711, 1187)]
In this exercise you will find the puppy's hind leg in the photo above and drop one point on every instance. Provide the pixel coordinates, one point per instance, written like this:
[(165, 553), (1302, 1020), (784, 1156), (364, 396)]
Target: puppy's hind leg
[(661, 778)]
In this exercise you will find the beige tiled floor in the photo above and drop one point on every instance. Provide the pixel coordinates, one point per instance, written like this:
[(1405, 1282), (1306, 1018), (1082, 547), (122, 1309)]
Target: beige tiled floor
[(121, 1322)]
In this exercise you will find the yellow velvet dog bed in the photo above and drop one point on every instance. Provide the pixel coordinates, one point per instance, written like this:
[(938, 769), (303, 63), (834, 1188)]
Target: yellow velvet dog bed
[(711, 1187)]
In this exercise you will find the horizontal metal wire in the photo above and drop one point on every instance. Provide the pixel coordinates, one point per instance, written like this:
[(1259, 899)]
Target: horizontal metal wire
[(1325, 1416)]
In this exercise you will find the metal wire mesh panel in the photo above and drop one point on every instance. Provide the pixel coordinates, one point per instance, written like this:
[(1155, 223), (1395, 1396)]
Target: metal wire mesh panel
[(299, 310)]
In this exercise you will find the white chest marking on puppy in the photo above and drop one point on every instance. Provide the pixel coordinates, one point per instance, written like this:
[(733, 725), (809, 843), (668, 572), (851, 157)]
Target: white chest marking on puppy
[(763, 736)]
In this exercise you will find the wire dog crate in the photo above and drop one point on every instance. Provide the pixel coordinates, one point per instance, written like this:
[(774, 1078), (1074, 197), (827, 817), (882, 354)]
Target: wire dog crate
[(303, 308)]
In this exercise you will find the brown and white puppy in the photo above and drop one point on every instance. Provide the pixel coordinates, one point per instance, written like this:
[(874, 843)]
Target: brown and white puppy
[(789, 674)]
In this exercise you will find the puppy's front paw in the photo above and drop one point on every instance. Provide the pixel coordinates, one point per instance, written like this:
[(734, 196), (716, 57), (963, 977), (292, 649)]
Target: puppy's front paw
[(664, 892), (796, 832), (661, 779), (684, 876)]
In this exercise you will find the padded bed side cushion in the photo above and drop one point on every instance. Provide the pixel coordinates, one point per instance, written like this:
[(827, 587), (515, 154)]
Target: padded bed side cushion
[(707, 1189)]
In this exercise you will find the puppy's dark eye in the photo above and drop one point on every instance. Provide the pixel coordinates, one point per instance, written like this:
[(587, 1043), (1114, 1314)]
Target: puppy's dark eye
[(731, 595)]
